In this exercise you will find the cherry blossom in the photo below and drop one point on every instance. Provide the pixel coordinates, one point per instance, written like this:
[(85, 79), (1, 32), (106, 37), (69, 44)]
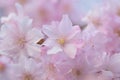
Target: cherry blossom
[(18, 35), (37, 45), (62, 36), (26, 69)]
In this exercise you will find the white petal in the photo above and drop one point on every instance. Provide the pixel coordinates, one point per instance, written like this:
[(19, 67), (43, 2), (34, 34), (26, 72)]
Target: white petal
[(19, 9), (8, 29), (6, 19), (74, 36), (34, 35), (115, 63), (65, 25), (88, 32), (33, 50), (50, 43), (25, 24), (50, 31), (70, 50), (54, 50)]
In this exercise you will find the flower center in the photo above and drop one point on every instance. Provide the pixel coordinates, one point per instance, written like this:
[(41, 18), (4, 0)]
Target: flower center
[(2, 66), (28, 77), (95, 20), (117, 31), (43, 14), (61, 41), (76, 72), (21, 42), (22, 1), (118, 12), (51, 67), (66, 8)]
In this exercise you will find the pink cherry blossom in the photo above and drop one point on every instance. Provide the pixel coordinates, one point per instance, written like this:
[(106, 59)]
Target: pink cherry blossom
[(62, 37), (4, 67), (40, 12), (18, 35), (26, 69), (73, 48)]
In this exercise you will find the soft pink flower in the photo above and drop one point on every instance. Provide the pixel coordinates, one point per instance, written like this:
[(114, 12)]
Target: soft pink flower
[(18, 35), (26, 69), (73, 69), (62, 37), (49, 69), (71, 8), (42, 11), (4, 67)]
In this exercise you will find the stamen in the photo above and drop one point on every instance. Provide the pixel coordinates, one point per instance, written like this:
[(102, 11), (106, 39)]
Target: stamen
[(21, 42), (61, 41)]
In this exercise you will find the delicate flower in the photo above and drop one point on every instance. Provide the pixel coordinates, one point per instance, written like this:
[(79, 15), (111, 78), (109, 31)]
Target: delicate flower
[(50, 70), (62, 37), (4, 67), (70, 8), (75, 69), (26, 69), (41, 13), (18, 35)]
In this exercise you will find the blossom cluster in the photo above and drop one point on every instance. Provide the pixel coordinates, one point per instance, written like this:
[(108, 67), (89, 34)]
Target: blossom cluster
[(65, 48), (44, 11)]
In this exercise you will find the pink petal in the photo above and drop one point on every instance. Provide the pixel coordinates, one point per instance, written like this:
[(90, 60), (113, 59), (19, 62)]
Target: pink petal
[(50, 43), (70, 50), (33, 50), (74, 35), (65, 25), (115, 63), (19, 9), (54, 50), (50, 31), (34, 35)]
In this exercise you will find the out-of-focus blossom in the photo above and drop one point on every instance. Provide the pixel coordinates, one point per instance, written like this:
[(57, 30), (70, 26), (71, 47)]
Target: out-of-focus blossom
[(71, 8), (4, 67), (26, 69), (113, 64), (44, 11)]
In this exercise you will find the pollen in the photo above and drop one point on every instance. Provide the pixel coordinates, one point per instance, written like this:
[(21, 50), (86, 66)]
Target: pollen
[(61, 41), (21, 42)]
